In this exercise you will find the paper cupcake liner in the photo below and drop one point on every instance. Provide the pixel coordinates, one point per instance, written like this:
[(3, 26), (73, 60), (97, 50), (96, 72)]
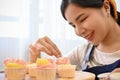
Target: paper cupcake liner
[(45, 74), (66, 71), (31, 71), (15, 73)]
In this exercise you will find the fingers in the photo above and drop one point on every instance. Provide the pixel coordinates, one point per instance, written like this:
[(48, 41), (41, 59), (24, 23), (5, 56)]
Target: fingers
[(48, 46), (34, 53), (54, 46), (33, 50), (44, 45)]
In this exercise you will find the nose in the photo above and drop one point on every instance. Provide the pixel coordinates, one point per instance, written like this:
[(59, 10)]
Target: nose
[(80, 31)]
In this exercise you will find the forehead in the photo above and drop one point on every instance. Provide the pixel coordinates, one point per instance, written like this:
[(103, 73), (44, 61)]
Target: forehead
[(73, 10)]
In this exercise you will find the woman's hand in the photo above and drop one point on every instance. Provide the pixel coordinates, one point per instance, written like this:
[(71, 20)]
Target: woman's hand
[(43, 45)]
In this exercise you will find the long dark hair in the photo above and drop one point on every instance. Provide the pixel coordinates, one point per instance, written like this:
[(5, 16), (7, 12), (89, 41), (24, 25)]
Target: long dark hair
[(88, 3)]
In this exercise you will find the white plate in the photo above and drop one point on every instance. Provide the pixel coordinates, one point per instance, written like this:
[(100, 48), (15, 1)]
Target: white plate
[(103, 76)]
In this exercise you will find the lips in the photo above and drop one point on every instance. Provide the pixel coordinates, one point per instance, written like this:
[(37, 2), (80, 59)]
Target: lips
[(89, 37)]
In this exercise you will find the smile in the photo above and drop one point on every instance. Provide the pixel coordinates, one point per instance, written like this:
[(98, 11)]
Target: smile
[(89, 37)]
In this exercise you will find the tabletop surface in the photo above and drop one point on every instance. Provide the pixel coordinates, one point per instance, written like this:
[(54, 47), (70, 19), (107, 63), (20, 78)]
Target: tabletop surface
[(77, 76), (2, 76)]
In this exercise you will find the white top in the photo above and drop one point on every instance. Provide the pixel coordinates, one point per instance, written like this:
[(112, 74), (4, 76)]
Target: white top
[(99, 58)]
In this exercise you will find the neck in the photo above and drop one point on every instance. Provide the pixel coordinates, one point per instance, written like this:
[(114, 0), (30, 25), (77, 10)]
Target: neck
[(112, 41)]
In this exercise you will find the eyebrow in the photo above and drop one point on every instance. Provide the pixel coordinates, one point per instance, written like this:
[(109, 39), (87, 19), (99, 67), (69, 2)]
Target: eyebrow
[(79, 16), (76, 18)]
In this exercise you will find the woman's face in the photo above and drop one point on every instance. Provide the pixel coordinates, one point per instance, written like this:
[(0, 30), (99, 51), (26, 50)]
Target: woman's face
[(90, 23)]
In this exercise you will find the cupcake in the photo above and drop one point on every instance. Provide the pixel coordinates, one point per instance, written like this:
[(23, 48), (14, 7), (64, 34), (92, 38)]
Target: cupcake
[(64, 68), (62, 61), (32, 71), (46, 69), (15, 69)]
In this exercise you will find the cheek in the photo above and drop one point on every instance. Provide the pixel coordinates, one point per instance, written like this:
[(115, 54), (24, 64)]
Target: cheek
[(99, 29), (89, 24), (84, 27), (99, 36)]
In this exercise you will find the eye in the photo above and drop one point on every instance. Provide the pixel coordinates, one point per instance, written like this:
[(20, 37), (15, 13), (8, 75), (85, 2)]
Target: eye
[(72, 25), (83, 19)]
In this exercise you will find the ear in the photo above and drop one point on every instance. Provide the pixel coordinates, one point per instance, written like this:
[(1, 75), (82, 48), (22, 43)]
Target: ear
[(106, 5)]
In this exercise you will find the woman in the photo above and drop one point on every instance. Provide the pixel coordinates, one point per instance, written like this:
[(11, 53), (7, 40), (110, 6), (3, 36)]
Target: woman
[(95, 20)]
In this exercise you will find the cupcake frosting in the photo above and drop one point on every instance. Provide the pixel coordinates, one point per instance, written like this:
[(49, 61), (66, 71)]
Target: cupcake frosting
[(14, 63), (62, 61), (45, 63)]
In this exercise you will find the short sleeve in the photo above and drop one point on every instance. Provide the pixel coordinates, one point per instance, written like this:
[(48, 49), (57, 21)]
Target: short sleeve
[(77, 55)]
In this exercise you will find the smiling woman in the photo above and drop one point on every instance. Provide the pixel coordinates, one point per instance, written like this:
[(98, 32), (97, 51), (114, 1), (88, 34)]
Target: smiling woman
[(98, 22), (23, 21)]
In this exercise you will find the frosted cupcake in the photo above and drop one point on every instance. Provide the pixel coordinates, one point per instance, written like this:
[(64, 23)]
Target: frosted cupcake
[(32, 71), (46, 69), (64, 68), (15, 69), (62, 61)]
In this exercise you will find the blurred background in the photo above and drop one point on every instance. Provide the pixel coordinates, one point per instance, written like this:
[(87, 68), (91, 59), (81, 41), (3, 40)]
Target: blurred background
[(22, 22)]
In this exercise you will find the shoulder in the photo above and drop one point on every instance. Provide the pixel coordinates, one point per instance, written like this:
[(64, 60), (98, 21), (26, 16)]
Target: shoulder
[(77, 55), (79, 52)]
